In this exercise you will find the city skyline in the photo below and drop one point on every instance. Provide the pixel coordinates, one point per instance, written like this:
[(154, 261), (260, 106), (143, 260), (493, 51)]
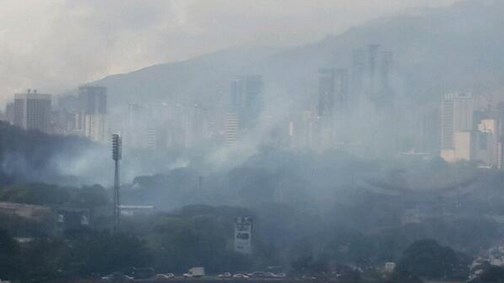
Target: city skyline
[(186, 28), (279, 141)]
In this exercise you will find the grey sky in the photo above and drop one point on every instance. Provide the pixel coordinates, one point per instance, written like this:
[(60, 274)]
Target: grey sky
[(55, 45)]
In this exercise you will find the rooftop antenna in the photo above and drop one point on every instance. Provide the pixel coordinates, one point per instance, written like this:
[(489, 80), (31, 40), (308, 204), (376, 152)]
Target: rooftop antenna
[(116, 156)]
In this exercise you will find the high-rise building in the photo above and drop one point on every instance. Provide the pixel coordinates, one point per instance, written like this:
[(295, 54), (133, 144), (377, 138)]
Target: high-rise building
[(64, 116), (32, 111), (376, 79), (140, 128), (487, 148), (246, 99), (464, 146), (151, 137), (332, 105), (457, 112), (92, 112), (93, 100), (457, 115), (196, 126), (94, 127), (231, 128), (333, 91)]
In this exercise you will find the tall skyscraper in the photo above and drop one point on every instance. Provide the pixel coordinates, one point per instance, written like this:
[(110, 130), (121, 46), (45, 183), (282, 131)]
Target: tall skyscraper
[(457, 115), (487, 147), (246, 99), (333, 91), (32, 111), (377, 75), (140, 129), (92, 107), (65, 115), (231, 128), (93, 100)]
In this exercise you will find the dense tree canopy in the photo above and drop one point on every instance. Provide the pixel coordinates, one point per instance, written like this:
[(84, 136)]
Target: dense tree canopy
[(427, 259), (28, 155)]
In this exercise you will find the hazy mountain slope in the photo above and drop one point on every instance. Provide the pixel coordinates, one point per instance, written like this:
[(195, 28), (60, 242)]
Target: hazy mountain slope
[(436, 50), (186, 81)]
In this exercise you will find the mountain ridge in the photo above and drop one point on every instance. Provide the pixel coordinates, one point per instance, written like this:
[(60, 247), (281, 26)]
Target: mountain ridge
[(435, 51)]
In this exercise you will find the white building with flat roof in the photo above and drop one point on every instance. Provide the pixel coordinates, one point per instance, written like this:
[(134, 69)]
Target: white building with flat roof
[(32, 111)]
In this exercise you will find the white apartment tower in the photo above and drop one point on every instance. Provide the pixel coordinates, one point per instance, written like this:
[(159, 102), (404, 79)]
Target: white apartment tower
[(91, 118), (32, 111), (457, 117)]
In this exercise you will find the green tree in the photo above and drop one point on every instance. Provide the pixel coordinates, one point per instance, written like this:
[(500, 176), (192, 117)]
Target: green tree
[(105, 252), (426, 258), (42, 260), (9, 256), (36, 193), (181, 243), (308, 265)]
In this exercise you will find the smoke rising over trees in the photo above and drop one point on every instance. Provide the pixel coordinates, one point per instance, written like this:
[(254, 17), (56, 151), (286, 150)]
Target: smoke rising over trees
[(330, 148)]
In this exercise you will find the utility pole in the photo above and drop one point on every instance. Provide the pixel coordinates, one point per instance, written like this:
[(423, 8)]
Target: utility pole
[(116, 156)]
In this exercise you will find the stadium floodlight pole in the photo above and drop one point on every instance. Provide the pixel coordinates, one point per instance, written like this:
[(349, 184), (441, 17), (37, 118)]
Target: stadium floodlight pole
[(116, 156)]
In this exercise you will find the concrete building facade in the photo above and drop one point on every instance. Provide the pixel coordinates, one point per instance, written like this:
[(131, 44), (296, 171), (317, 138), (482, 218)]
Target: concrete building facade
[(32, 111), (92, 113)]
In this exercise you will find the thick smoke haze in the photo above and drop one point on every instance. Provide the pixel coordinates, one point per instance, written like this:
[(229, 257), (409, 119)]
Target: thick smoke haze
[(56, 45), (286, 140)]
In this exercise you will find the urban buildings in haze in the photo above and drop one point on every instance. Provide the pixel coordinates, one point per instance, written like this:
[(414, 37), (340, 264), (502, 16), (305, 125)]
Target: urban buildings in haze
[(141, 130), (333, 91), (244, 107), (470, 132), (92, 112), (346, 108), (457, 112), (246, 100), (231, 128), (371, 75), (32, 111), (93, 99)]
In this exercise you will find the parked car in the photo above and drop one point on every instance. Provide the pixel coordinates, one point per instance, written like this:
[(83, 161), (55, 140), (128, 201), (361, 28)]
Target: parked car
[(164, 277), (259, 274), (240, 276), (280, 275), (117, 277), (143, 272), (225, 275)]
